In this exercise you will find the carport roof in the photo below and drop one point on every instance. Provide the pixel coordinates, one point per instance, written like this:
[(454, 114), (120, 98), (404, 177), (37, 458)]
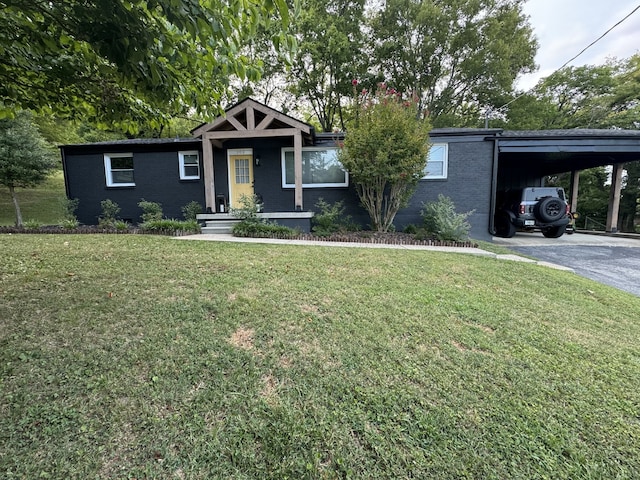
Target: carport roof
[(591, 133), (548, 152)]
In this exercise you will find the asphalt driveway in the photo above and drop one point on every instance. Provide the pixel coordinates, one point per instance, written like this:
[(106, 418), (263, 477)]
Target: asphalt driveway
[(610, 260)]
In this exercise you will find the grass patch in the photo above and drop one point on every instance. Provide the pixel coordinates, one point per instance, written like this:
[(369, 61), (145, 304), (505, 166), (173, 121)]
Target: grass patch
[(42, 204), (149, 357)]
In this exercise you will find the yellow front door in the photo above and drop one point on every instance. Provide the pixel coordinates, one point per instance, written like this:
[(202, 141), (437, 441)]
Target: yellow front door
[(240, 177)]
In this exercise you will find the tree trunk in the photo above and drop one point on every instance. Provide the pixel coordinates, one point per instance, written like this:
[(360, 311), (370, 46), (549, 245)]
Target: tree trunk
[(16, 206)]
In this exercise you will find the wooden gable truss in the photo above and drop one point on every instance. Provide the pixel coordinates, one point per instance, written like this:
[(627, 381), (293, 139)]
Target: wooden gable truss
[(252, 119)]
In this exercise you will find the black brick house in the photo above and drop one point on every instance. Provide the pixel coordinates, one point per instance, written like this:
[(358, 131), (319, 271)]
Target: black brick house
[(255, 149)]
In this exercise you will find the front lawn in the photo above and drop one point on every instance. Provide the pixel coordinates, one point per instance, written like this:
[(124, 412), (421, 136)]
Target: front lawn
[(150, 357)]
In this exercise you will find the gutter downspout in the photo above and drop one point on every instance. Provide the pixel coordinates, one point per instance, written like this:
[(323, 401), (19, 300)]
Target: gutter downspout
[(494, 187)]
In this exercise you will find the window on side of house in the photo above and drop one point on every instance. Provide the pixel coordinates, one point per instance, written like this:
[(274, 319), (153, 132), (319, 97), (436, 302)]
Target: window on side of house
[(320, 168), (437, 162), (189, 165), (118, 169)]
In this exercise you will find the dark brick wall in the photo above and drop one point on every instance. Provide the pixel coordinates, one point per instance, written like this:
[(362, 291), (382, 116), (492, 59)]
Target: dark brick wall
[(468, 184), (157, 179), (268, 178), (156, 175)]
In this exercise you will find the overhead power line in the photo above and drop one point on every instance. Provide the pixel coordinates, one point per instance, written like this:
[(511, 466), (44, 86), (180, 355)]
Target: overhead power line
[(598, 39), (580, 53)]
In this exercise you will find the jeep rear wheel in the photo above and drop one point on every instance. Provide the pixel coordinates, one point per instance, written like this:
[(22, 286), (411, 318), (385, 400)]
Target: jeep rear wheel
[(504, 227), (550, 209), (554, 232)]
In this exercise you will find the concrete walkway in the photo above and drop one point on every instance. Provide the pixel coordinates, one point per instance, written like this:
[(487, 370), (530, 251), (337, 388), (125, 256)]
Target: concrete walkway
[(321, 243)]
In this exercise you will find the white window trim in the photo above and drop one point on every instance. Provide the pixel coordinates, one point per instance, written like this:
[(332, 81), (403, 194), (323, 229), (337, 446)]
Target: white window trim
[(445, 166), (183, 175), (310, 185), (108, 170)]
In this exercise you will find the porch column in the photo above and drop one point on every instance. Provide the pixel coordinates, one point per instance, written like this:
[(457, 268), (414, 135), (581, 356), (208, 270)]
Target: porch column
[(614, 198), (297, 169), (207, 164), (575, 185)]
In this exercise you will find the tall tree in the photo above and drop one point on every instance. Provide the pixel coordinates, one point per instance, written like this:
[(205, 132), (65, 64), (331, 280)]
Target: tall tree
[(589, 96), (580, 95), (25, 159), (459, 56), (330, 45), (128, 61), (625, 100)]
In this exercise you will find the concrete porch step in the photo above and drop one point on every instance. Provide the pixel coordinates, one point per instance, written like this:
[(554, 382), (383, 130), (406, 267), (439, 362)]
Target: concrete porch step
[(216, 230), (224, 222), (221, 226)]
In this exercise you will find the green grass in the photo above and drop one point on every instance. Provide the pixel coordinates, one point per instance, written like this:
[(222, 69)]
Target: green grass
[(150, 357), (42, 204)]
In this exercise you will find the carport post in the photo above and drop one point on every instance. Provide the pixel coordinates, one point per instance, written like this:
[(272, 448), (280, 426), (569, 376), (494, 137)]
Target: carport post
[(614, 198), (575, 184)]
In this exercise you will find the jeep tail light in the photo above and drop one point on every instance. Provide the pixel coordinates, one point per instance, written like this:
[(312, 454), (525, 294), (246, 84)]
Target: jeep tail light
[(522, 209), (568, 209)]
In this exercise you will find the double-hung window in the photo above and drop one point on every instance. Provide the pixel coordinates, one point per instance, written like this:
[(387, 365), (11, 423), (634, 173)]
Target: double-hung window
[(320, 168), (437, 162), (189, 165), (118, 169)]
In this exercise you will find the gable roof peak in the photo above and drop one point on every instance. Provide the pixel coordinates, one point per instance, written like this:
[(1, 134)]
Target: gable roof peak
[(250, 115)]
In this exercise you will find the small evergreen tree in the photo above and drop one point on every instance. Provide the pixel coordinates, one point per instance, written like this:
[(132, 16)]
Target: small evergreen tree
[(25, 160), (385, 152)]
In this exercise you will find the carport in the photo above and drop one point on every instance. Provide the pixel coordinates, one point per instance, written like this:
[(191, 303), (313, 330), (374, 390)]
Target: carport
[(525, 158)]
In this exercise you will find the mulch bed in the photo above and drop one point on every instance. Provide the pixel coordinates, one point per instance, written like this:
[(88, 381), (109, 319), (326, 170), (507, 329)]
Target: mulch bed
[(389, 238)]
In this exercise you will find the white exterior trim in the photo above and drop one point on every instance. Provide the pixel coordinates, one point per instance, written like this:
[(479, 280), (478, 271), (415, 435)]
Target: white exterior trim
[(108, 171)]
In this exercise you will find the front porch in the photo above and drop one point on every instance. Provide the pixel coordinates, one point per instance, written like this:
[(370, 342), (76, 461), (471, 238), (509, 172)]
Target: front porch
[(247, 139), (222, 223)]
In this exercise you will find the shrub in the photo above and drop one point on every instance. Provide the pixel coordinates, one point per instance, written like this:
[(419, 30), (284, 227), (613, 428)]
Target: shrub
[(32, 224), (442, 221), (331, 219), (150, 210), (411, 228), (69, 223), (191, 210), (170, 225), (248, 209), (251, 225), (121, 225), (110, 211), (69, 206), (262, 229)]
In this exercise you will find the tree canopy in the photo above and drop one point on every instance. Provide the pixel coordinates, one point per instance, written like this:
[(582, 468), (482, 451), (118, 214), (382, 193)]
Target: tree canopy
[(330, 56), (458, 56), (127, 61), (589, 96)]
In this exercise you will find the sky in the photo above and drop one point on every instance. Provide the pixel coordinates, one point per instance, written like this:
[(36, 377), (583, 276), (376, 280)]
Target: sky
[(564, 27)]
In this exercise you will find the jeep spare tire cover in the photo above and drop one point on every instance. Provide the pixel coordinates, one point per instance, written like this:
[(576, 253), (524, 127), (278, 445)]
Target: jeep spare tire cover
[(550, 209)]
